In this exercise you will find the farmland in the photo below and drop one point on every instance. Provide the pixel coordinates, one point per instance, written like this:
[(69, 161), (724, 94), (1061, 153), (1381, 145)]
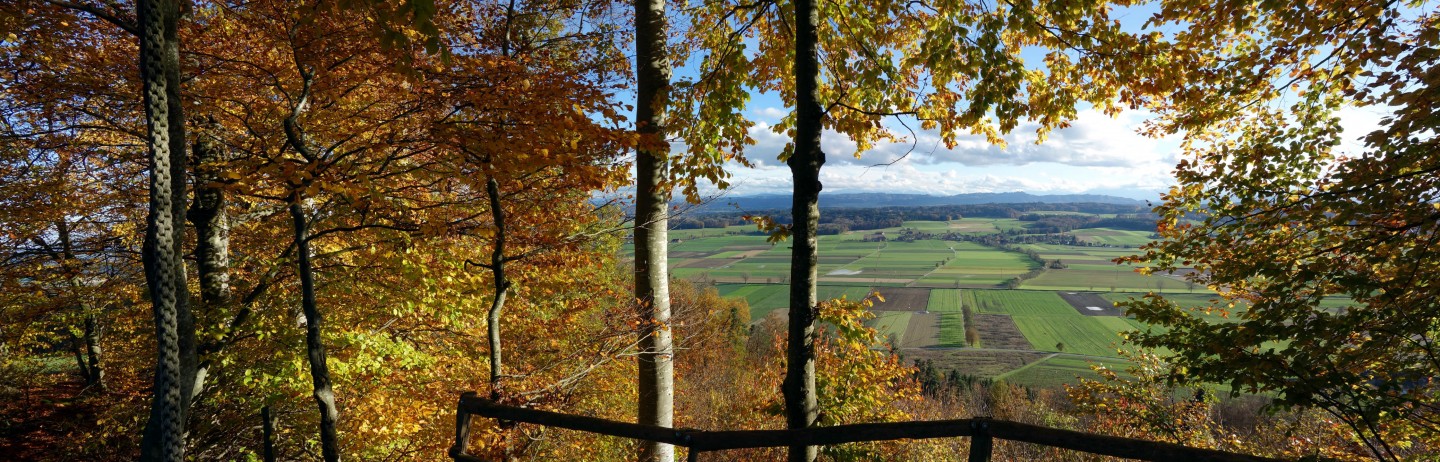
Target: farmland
[(949, 295)]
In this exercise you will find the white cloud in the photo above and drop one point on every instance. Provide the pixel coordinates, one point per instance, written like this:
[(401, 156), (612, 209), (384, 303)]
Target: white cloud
[(1096, 153), (1093, 139), (912, 178), (771, 114)]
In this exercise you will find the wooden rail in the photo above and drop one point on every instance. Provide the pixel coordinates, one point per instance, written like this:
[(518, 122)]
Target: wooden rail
[(981, 431)]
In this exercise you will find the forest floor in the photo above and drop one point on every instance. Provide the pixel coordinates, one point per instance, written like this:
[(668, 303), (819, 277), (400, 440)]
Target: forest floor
[(39, 418)]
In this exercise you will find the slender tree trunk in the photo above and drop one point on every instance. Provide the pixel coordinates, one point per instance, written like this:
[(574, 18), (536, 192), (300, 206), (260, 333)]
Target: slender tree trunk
[(164, 437), (87, 347), (212, 249), (95, 374), (801, 408), (502, 287), (656, 385), (80, 359), (314, 347), (497, 304)]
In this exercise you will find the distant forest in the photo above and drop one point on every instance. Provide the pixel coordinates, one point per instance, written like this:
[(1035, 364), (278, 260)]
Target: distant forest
[(839, 220)]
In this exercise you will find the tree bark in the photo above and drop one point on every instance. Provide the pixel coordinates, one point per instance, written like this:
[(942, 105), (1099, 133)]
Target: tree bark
[(656, 386), (801, 408), (80, 359), (87, 346), (94, 373), (212, 247), (267, 433), (164, 437), (314, 347), (497, 304), (502, 287)]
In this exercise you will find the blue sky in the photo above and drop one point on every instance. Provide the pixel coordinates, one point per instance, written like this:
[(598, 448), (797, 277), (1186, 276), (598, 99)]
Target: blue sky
[(1097, 154)]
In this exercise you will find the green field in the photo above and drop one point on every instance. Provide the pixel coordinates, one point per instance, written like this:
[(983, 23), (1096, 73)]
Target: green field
[(1051, 324), (1059, 370), (945, 300), (1115, 237), (891, 325), (1118, 278), (1036, 337)]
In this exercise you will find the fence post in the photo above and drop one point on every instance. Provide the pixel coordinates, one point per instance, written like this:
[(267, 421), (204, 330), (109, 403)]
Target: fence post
[(980, 441), (462, 427)]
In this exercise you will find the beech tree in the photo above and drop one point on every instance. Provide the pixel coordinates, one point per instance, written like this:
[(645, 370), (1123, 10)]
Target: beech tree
[(656, 387)]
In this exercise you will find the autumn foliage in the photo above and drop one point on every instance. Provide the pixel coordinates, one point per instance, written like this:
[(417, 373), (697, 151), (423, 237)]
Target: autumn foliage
[(394, 193)]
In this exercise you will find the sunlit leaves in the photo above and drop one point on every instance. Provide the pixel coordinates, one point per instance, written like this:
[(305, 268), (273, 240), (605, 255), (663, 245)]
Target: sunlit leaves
[(1329, 251)]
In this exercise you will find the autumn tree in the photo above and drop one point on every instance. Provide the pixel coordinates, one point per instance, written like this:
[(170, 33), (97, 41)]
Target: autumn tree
[(66, 207), (1321, 250), (379, 201), (532, 128)]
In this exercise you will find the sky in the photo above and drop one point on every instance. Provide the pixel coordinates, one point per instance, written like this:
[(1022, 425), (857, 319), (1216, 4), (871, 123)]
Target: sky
[(1097, 154)]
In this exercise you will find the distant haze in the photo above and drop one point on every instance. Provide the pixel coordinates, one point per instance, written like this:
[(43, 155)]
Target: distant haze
[(868, 200)]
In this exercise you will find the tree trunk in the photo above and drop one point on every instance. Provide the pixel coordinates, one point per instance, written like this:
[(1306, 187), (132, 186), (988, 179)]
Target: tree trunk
[(314, 347), (502, 286), (497, 304), (656, 385), (164, 437), (212, 249), (267, 433), (80, 362), (86, 347), (801, 408), (95, 374)]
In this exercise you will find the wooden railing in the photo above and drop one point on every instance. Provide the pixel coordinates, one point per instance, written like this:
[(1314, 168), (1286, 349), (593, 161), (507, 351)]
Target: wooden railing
[(981, 431)]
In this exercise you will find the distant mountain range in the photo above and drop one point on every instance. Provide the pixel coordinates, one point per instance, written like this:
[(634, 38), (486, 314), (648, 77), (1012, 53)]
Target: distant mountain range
[(873, 200)]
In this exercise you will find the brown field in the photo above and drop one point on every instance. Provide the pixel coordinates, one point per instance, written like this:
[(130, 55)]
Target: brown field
[(998, 331), (751, 253), (923, 331), (903, 298), (690, 254), (982, 363), (1082, 301), (704, 263), (963, 226)]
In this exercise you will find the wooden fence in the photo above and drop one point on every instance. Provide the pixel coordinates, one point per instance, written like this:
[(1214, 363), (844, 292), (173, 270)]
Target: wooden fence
[(981, 431)]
